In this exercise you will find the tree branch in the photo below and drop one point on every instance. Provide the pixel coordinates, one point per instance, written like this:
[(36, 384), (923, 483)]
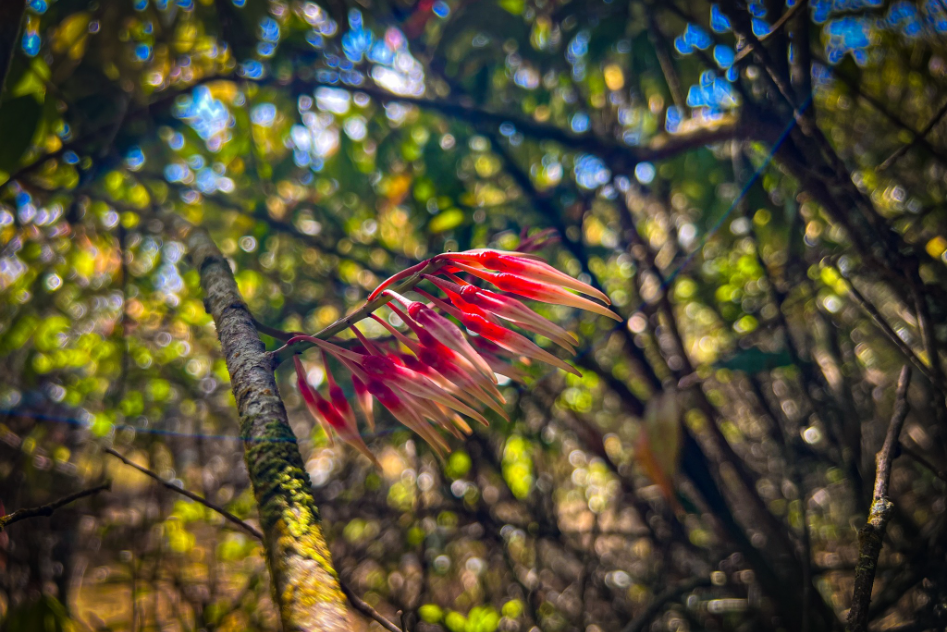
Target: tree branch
[(919, 136), (48, 509), (360, 604), (640, 623), (363, 606), (189, 494), (287, 351), (305, 584), (871, 536)]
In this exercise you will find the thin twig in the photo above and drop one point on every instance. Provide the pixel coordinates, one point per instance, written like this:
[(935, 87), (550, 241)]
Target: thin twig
[(641, 622), (893, 336), (287, 351), (184, 492), (910, 452), (921, 135), (362, 606), (887, 454), (48, 509), (779, 23), (872, 534), (358, 603), (272, 332)]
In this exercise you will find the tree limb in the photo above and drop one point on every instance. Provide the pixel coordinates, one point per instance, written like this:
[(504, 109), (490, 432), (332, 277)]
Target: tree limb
[(189, 494), (640, 623), (920, 136), (357, 602), (49, 508), (871, 536), (305, 584)]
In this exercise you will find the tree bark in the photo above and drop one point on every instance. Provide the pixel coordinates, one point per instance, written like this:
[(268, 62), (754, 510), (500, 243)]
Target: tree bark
[(305, 584)]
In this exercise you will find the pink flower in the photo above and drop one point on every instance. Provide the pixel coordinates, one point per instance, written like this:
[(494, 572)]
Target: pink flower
[(431, 381)]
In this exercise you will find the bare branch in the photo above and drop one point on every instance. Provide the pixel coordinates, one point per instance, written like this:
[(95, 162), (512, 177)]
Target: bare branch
[(287, 351), (640, 623), (871, 536), (893, 336), (920, 136), (362, 606), (357, 602), (49, 508), (887, 454), (189, 494)]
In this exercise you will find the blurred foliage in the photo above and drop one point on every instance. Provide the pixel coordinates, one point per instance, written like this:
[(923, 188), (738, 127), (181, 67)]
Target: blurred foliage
[(725, 432)]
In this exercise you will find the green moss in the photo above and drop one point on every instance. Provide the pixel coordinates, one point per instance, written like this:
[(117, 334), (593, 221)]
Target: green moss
[(298, 550)]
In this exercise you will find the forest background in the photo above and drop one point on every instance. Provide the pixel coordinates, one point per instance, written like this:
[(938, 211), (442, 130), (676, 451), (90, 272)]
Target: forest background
[(759, 188)]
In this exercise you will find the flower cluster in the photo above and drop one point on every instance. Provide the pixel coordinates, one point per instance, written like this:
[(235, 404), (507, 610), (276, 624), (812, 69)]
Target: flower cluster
[(442, 374)]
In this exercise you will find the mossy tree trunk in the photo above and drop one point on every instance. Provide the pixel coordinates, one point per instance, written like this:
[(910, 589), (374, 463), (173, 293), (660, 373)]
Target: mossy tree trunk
[(305, 584)]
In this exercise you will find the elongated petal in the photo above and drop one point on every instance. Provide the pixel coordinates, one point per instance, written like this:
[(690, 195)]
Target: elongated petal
[(514, 311), (538, 291), (370, 346), (441, 305), (405, 379), (414, 345), (405, 413), (512, 341), (524, 266), (364, 399), (439, 416), (347, 432), (337, 395), (498, 365), (470, 388), (448, 334), (335, 350), (424, 336), (397, 277), (309, 398), (537, 270), (508, 308)]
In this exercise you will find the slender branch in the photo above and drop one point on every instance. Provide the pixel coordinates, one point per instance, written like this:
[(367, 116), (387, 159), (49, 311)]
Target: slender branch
[(357, 602), (922, 460), (640, 623), (272, 332), (881, 108), (610, 149), (879, 320), (871, 536), (920, 136), (663, 52), (49, 508), (887, 454), (287, 351), (189, 494), (365, 608), (776, 26)]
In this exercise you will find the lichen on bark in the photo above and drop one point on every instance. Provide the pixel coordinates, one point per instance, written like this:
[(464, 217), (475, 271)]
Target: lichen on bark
[(305, 584)]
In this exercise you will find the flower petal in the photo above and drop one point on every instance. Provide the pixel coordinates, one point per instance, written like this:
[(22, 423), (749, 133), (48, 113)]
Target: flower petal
[(538, 291)]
